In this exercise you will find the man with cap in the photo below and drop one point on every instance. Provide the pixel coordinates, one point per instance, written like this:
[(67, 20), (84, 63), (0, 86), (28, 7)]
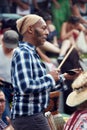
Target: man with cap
[(31, 82), (9, 42), (78, 98)]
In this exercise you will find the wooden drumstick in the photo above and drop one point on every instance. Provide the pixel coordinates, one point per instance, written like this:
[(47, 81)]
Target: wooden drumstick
[(66, 56)]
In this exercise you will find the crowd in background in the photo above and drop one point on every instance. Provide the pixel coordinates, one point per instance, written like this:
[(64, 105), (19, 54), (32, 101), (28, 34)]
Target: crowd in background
[(65, 20)]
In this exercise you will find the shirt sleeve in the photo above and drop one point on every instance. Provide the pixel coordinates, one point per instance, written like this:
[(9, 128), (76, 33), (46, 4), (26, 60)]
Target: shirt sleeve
[(29, 75)]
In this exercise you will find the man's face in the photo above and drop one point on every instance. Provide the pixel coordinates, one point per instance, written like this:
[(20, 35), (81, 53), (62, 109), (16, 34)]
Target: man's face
[(40, 32), (2, 103)]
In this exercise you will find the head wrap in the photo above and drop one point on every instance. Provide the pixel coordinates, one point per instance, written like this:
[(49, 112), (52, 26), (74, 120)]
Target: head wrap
[(26, 21)]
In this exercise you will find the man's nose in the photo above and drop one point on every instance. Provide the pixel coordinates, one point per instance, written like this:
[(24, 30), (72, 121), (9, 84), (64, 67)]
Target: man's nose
[(47, 31)]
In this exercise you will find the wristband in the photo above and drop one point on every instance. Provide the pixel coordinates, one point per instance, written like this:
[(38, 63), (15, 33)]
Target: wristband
[(62, 78)]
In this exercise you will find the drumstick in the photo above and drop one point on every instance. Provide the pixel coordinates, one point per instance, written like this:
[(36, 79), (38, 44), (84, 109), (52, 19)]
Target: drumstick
[(66, 56)]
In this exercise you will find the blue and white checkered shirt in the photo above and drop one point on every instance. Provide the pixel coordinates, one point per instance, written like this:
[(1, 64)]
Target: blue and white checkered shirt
[(30, 81)]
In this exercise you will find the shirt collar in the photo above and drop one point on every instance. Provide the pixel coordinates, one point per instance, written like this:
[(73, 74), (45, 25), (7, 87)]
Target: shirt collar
[(30, 46)]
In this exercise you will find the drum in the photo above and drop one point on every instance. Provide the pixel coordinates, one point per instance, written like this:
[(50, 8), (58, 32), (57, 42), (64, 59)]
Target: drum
[(53, 103), (50, 119)]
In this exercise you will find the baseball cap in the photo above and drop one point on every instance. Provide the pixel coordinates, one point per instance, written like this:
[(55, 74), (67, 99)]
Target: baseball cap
[(11, 39)]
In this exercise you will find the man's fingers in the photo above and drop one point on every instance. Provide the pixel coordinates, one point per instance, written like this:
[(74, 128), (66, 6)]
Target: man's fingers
[(8, 120)]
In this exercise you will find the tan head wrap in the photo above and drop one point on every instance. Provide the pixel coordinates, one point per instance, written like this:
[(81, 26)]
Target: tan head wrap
[(26, 21)]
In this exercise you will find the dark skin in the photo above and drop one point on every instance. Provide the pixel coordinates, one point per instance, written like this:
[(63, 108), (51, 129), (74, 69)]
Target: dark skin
[(82, 106), (68, 29), (8, 52), (36, 35)]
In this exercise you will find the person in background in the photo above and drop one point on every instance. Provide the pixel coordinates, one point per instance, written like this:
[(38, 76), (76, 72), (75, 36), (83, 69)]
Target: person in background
[(9, 42), (30, 80), (78, 98), (60, 12), (70, 31), (47, 60), (5, 6), (3, 125), (79, 8), (22, 7), (40, 5)]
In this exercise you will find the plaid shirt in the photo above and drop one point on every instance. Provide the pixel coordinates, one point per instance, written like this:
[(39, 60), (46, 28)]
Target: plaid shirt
[(30, 81), (2, 125)]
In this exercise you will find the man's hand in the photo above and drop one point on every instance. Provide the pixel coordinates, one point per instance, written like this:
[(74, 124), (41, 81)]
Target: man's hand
[(55, 74), (69, 76), (9, 127)]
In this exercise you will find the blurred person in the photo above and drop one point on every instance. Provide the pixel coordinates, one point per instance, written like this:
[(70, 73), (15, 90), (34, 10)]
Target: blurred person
[(79, 8), (53, 51), (69, 33), (60, 11), (47, 60), (30, 80), (49, 48), (23, 7), (5, 6), (3, 125), (40, 5), (78, 98), (2, 104), (71, 62), (9, 42)]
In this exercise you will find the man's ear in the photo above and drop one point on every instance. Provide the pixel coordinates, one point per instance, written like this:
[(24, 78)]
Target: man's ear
[(30, 29)]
